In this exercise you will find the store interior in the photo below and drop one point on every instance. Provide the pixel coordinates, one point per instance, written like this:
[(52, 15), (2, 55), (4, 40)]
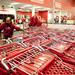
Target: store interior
[(37, 37)]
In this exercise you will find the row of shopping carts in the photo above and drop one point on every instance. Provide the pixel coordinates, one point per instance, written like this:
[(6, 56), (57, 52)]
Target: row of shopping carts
[(39, 51)]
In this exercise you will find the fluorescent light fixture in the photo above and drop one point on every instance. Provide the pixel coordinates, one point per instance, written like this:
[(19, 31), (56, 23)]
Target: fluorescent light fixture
[(37, 6), (15, 3), (28, 5)]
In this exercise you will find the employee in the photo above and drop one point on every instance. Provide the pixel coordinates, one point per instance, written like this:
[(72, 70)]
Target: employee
[(8, 28)]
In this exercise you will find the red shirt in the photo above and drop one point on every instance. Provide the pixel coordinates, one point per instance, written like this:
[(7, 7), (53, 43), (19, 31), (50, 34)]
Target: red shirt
[(23, 19), (17, 20), (8, 29)]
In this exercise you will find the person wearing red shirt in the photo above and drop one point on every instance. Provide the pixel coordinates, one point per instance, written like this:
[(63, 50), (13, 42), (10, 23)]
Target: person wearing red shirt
[(17, 20), (23, 19), (34, 21), (8, 28)]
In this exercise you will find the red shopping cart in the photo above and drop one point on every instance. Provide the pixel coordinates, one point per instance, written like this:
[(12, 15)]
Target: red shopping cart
[(29, 61)]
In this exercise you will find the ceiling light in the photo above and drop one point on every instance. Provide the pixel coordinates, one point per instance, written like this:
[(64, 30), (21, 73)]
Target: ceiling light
[(26, 6), (15, 3)]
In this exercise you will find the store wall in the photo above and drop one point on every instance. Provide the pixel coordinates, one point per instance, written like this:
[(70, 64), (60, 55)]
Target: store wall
[(44, 15), (68, 7), (73, 3), (65, 4)]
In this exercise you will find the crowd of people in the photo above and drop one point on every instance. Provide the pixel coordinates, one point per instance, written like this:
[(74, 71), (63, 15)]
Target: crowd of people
[(63, 19)]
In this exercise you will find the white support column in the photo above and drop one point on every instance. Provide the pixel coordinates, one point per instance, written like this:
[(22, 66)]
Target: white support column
[(48, 17), (70, 14), (33, 11), (53, 10), (59, 16)]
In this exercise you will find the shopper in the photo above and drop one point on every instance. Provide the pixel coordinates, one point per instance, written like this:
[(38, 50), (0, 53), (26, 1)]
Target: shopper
[(23, 19), (56, 19), (62, 19), (17, 20), (35, 21), (8, 28)]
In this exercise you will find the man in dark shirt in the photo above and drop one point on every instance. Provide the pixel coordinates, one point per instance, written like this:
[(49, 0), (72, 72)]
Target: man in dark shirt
[(8, 28)]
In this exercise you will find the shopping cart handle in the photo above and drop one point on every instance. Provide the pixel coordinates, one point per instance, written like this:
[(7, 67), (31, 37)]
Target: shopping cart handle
[(4, 64), (8, 40)]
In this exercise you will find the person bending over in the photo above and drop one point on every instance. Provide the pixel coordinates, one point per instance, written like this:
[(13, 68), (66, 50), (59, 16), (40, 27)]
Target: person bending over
[(35, 21)]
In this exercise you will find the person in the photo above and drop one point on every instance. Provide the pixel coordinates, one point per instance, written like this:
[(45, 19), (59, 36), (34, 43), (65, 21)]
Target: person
[(35, 21), (17, 20), (62, 19), (65, 19), (56, 19), (39, 21), (8, 28), (23, 19)]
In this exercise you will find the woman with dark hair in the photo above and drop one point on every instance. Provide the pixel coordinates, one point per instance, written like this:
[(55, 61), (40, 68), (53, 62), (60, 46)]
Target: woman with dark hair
[(8, 28)]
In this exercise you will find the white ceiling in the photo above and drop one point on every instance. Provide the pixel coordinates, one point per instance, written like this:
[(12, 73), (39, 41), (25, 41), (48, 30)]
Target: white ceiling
[(5, 2), (21, 6)]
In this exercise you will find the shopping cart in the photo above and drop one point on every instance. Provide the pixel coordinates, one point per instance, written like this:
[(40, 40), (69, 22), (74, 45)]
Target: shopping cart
[(62, 50), (9, 49), (3, 42), (68, 38), (6, 50), (29, 61), (58, 67)]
